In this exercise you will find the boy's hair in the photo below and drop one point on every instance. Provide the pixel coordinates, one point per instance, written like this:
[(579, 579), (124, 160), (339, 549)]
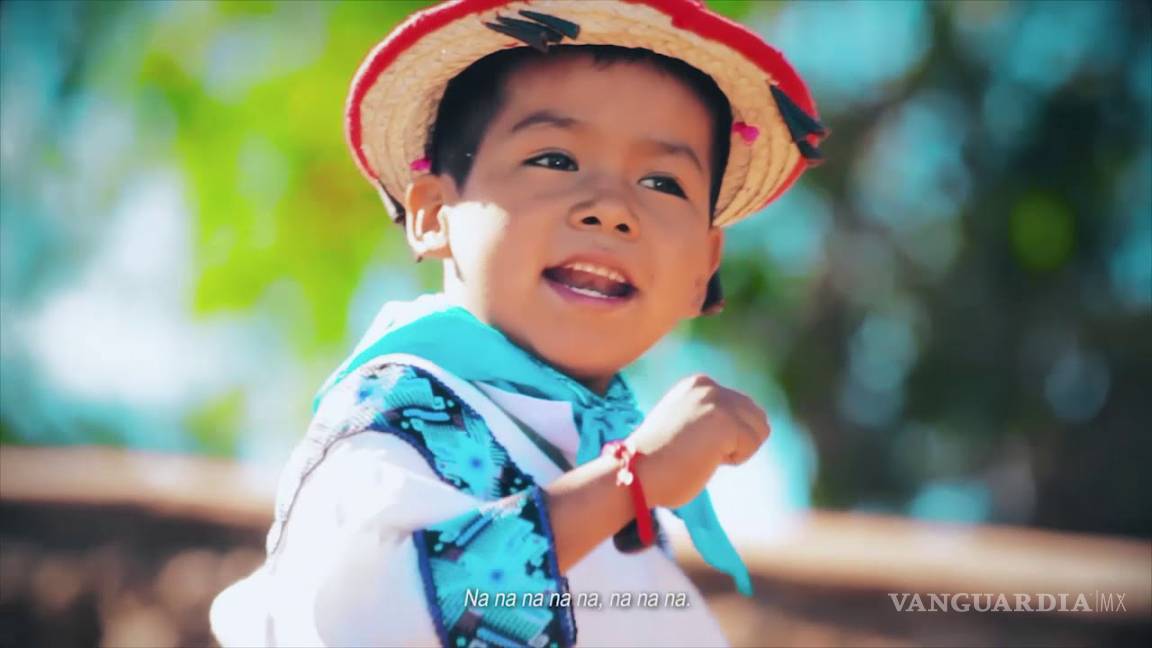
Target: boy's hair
[(474, 97)]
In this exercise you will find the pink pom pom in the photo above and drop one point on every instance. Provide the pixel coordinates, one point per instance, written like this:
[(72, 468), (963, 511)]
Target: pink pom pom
[(746, 131), (420, 165)]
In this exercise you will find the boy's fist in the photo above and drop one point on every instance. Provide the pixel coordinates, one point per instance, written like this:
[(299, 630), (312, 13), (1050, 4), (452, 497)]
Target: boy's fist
[(695, 427)]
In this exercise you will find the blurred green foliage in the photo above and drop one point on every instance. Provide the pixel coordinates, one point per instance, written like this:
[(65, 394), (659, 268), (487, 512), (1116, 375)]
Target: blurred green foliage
[(276, 196)]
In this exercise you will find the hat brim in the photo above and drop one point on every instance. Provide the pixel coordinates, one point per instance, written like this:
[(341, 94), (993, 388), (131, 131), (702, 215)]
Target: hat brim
[(397, 90)]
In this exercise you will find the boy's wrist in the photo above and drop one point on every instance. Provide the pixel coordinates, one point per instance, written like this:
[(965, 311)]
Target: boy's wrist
[(645, 470), (586, 508), (617, 501)]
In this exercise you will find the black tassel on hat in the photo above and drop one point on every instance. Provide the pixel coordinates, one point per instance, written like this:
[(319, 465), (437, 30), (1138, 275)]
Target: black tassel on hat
[(800, 125), (539, 34), (568, 28)]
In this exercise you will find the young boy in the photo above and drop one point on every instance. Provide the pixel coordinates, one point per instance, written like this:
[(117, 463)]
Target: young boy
[(571, 165)]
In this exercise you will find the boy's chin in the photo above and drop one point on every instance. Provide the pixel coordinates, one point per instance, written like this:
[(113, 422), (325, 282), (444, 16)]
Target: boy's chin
[(589, 355)]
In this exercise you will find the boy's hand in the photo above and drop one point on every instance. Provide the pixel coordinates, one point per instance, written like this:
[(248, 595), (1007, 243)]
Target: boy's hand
[(695, 427)]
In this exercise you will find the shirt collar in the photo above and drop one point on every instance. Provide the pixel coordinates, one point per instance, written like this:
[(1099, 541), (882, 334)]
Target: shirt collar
[(551, 419)]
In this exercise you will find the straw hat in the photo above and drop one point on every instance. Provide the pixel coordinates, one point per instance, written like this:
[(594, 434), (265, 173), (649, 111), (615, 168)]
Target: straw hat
[(396, 92)]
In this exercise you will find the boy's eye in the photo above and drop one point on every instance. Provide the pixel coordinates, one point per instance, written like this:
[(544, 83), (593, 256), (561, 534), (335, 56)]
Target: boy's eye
[(664, 184), (557, 161)]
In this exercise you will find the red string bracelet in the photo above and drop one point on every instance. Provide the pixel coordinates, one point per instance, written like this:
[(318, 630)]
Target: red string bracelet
[(626, 454)]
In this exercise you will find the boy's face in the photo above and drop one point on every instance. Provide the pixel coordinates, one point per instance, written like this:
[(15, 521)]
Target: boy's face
[(583, 231)]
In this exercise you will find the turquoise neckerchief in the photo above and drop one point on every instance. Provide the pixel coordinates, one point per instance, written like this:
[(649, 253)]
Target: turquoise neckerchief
[(452, 338)]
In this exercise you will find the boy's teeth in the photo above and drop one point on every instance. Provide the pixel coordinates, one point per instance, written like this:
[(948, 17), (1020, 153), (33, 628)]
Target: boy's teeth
[(591, 280), (607, 273), (590, 292)]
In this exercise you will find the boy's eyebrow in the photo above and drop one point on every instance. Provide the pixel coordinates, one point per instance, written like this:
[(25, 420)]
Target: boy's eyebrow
[(676, 148), (556, 120), (547, 117)]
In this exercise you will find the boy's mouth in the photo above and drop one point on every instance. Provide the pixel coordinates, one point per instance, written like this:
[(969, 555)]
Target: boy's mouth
[(591, 280)]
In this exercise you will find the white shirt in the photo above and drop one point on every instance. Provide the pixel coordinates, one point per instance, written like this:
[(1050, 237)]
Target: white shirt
[(346, 571)]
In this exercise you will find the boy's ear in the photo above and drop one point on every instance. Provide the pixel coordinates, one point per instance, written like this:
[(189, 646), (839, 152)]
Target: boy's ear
[(425, 223)]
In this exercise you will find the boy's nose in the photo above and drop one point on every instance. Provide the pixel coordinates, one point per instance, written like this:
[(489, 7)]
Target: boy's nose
[(607, 214)]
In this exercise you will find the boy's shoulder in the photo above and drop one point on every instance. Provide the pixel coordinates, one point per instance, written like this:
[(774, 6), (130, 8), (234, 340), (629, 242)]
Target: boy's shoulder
[(394, 396), (419, 404), (431, 410)]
